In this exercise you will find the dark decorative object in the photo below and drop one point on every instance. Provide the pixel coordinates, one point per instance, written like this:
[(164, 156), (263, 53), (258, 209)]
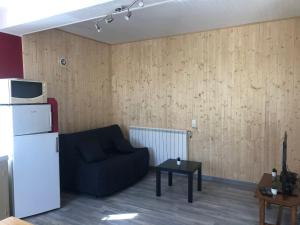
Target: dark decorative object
[(288, 179), (274, 172), (100, 177), (275, 185), (265, 191), (178, 161)]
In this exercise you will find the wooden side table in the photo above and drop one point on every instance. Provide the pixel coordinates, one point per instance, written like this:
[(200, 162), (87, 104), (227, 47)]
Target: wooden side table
[(13, 221), (291, 202)]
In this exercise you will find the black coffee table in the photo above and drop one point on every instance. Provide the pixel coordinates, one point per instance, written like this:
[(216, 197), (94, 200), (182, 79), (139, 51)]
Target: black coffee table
[(186, 167)]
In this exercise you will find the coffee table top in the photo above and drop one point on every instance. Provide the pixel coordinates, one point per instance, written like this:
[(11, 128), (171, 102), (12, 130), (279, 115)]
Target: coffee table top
[(184, 167)]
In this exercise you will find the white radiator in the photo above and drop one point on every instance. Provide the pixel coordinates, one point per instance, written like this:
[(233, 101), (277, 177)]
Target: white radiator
[(163, 144)]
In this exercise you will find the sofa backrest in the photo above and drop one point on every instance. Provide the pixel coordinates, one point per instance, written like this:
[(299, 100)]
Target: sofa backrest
[(69, 155)]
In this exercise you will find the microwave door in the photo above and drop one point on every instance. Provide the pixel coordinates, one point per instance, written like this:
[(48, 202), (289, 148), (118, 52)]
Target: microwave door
[(31, 119), (26, 89), (19, 91), (27, 92)]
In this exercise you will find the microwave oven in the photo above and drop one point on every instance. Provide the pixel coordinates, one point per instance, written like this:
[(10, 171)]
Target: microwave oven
[(19, 91)]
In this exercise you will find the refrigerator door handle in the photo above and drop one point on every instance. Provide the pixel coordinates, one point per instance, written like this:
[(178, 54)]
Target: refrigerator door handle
[(57, 145), (50, 119)]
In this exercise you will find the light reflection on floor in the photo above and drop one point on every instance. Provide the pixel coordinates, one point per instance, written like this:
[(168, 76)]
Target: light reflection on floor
[(125, 216)]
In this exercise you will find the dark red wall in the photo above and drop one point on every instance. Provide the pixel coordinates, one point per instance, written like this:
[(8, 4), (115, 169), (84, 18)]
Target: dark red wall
[(11, 63)]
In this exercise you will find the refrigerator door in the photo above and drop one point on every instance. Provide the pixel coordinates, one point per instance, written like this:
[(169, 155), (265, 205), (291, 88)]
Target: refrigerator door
[(35, 180), (31, 119)]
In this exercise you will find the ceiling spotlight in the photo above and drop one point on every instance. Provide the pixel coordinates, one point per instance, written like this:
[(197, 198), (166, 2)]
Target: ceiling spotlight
[(109, 19), (98, 27), (120, 9), (141, 3), (128, 15)]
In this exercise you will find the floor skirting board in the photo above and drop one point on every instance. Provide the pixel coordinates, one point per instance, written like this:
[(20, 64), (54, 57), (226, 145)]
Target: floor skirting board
[(218, 180)]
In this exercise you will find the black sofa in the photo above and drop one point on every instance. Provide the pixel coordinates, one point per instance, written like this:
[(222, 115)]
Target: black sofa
[(100, 177)]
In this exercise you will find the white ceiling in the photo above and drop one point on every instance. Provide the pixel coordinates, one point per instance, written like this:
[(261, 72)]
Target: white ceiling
[(16, 12), (160, 18), (177, 17)]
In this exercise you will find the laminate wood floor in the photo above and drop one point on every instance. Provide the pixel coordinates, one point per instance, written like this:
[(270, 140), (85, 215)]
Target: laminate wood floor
[(219, 203)]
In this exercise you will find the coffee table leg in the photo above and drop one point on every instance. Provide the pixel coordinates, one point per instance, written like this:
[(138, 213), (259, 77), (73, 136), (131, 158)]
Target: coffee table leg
[(261, 212), (190, 187), (158, 191), (199, 179), (170, 178), (294, 215)]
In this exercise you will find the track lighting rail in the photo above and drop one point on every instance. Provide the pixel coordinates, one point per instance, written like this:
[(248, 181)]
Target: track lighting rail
[(109, 18)]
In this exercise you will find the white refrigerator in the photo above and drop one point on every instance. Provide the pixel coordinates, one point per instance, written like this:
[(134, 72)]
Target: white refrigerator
[(33, 158)]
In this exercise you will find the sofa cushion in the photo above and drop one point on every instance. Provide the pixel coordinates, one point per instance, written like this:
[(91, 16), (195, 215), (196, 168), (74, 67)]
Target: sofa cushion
[(91, 151), (123, 146), (113, 174)]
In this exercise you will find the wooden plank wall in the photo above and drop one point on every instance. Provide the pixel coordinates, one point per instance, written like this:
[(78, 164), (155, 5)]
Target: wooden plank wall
[(241, 84), (82, 87)]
